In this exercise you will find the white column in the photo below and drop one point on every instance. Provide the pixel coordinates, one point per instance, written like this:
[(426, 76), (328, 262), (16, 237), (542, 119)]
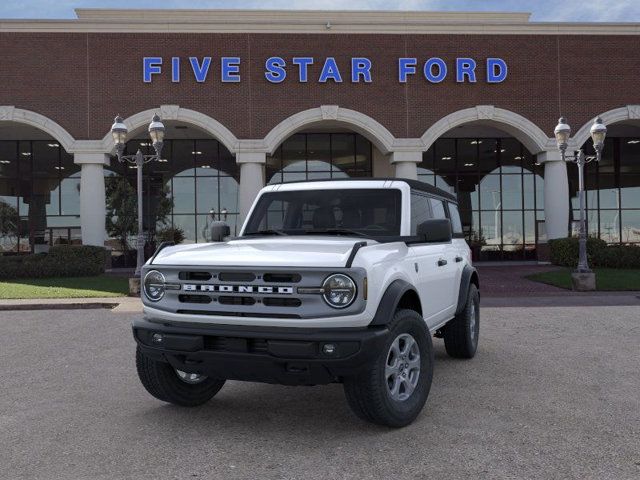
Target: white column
[(251, 179), (92, 197), (556, 194), (406, 163)]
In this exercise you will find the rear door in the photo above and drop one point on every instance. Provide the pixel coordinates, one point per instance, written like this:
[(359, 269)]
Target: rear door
[(431, 272)]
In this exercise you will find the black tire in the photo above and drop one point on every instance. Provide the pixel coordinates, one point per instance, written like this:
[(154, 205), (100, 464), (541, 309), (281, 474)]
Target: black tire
[(161, 380), (462, 333), (368, 394)]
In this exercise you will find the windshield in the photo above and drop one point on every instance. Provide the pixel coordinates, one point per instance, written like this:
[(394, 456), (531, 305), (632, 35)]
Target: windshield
[(357, 212)]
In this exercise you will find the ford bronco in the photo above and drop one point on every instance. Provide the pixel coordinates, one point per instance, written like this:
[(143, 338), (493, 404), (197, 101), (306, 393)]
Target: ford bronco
[(328, 281)]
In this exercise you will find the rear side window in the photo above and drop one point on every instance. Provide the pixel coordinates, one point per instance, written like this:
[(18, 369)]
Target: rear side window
[(420, 211), (456, 224), (437, 208)]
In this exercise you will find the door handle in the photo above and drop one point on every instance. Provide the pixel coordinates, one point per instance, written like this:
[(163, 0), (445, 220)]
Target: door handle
[(458, 259), (442, 262)]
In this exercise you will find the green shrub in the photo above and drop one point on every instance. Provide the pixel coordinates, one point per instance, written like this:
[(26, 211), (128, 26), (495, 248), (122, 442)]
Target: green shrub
[(618, 256), (61, 261), (565, 251)]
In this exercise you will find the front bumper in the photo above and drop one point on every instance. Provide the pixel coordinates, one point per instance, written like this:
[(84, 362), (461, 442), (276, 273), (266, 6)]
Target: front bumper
[(288, 356)]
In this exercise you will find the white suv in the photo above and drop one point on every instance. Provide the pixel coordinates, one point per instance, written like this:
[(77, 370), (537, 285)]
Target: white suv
[(329, 281)]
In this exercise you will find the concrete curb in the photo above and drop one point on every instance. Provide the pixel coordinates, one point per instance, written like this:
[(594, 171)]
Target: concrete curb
[(116, 304), (57, 306)]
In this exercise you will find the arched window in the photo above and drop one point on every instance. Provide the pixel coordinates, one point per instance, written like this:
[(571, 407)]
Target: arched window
[(313, 156)]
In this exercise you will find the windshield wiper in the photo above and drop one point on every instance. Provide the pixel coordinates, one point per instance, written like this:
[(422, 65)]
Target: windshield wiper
[(337, 231), (264, 232)]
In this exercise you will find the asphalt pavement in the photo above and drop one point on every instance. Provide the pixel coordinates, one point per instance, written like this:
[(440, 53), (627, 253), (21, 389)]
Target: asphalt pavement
[(554, 392)]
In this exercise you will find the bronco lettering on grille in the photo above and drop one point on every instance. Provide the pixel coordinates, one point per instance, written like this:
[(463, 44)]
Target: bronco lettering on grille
[(189, 287)]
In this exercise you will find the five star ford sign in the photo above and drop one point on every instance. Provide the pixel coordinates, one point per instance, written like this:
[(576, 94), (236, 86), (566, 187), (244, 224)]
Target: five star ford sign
[(362, 69)]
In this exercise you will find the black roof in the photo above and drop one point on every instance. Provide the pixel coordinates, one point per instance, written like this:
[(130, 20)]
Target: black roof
[(414, 184)]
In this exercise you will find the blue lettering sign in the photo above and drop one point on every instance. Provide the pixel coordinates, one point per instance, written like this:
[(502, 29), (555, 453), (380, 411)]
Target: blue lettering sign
[(428, 70), (150, 66), (275, 69), (175, 69), (331, 71), (406, 66), (200, 71), (230, 67), (360, 67), (303, 66), (496, 70), (465, 67)]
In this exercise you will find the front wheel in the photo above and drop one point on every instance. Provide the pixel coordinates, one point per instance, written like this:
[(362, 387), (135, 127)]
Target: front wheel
[(395, 385), (175, 386)]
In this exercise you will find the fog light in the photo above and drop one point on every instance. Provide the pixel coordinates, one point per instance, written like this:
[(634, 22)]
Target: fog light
[(157, 338), (329, 348)]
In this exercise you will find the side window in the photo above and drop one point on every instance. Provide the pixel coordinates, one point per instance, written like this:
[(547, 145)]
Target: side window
[(420, 211), (437, 207), (456, 224)]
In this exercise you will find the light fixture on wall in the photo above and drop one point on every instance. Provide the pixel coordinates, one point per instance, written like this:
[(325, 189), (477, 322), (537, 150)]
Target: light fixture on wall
[(119, 133), (562, 133)]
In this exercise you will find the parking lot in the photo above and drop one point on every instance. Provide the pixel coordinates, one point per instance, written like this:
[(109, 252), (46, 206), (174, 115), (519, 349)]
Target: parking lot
[(554, 392)]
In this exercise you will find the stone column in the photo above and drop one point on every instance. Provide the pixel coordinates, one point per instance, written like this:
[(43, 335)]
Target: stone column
[(92, 197), (406, 163), (251, 179), (556, 194)]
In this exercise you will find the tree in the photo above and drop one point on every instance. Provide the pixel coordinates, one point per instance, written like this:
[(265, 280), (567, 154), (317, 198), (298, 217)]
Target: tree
[(122, 209)]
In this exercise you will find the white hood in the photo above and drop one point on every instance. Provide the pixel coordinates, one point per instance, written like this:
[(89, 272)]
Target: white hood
[(290, 251)]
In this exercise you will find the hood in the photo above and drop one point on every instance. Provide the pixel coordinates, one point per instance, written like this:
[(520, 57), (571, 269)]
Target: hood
[(292, 251)]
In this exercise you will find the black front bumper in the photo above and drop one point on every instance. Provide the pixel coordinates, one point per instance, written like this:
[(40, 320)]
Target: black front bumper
[(288, 356)]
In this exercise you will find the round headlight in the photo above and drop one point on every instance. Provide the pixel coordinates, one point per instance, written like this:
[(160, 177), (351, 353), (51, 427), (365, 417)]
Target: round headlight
[(154, 285), (339, 290)]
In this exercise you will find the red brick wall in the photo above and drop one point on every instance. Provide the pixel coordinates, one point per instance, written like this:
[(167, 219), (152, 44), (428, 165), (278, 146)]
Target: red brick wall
[(82, 80)]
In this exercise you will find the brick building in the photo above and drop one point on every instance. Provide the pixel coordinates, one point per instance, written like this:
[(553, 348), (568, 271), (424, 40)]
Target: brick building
[(465, 101)]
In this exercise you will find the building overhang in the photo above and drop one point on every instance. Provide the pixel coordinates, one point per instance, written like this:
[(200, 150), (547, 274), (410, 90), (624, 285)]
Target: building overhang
[(312, 21)]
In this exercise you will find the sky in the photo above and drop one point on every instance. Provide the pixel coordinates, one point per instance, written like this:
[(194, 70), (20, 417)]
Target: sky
[(542, 10)]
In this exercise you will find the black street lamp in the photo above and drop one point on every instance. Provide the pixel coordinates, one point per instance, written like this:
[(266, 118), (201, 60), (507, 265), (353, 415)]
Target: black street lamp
[(598, 133), (156, 132)]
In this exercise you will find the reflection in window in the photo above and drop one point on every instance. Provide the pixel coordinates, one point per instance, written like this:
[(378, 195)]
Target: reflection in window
[(39, 196), (198, 178), (612, 191), (317, 156), (499, 190)]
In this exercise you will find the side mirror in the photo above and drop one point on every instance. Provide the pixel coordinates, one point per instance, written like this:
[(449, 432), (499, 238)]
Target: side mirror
[(219, 230), (435, 230)]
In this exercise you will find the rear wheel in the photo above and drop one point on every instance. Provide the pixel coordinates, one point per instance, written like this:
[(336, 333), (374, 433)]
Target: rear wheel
[(461, 334), (394, 387), (175, 386)]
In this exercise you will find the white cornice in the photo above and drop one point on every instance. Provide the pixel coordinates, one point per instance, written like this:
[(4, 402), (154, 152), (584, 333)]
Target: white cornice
[(301, 21)]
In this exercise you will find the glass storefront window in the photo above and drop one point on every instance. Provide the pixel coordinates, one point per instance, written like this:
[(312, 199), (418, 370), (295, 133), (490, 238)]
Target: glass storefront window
[(39, 195), (316, 156), (193, 183)]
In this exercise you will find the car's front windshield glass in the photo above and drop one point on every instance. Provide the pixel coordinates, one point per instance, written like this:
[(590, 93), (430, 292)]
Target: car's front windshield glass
[(351, 212)]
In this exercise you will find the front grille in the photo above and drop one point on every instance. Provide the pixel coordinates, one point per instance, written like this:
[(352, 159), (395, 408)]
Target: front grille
[(196, 276), (282, 302), (237, 276), (194, 299), (236, 300), (267, 292), (281, 277)]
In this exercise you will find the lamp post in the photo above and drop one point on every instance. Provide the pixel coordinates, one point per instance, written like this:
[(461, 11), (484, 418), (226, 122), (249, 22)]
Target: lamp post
[(156, 132), (562, 133)]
